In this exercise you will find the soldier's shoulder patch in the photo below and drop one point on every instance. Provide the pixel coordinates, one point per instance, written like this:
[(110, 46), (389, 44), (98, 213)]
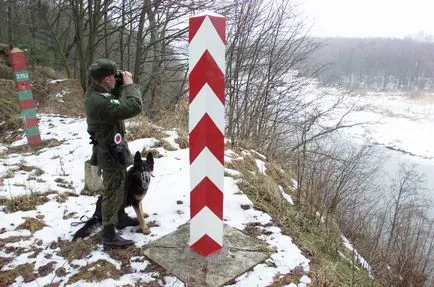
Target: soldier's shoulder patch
[(114, 101)]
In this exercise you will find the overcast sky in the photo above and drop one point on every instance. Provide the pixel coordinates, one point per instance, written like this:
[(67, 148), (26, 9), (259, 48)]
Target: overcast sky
[(369, 18)]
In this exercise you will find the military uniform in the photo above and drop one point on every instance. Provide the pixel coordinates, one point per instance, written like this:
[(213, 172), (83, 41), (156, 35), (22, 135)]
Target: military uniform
[(106, 112)]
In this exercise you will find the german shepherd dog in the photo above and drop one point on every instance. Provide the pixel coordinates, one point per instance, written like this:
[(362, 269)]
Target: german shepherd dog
[(136, 185)]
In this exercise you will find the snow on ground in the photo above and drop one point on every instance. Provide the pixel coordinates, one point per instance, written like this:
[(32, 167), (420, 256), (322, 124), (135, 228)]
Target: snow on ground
[(358, 258), (286, 196), (167, 203), (62, 163)]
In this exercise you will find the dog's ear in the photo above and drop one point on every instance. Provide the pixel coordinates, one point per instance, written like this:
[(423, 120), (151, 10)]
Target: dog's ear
[(137, 158), (150, 161)]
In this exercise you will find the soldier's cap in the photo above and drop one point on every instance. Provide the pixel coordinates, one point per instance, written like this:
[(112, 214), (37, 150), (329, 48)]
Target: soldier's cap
[(102, 68)]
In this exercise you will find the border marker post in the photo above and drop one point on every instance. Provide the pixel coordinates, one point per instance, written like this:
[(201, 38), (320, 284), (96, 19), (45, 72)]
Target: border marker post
[(23, 88), (207, 45)]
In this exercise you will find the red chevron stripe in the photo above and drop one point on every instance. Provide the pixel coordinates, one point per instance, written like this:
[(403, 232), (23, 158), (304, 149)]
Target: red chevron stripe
[(206, 134), (194, 25), (206, 193), (220, 26), (27, 104), (206, 246), (207, 71)]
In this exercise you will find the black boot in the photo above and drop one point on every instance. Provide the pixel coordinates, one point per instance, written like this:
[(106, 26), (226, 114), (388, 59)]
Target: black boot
[(124, 220), (112, 240)]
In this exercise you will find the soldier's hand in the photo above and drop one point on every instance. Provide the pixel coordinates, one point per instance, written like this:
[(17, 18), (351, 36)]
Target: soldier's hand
[(127, 77)]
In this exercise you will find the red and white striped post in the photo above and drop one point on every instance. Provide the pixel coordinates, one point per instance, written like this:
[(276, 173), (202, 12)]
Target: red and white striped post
[(207, 33), (24, 91)]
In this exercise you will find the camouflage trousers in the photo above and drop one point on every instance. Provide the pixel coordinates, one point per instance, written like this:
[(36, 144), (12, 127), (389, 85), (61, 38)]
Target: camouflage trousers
[(114, 195)]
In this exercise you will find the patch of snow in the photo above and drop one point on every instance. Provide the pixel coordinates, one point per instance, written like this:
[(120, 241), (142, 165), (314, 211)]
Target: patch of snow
[(230, 155), (232, 172), (59, 96), (357, 256), (261, 166), (172, 136), (263, 157), (294, 183), (57, 81), (287, 197)]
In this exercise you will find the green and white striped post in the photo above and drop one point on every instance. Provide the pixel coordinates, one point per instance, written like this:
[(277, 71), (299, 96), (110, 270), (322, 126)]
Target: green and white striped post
[(18, 62)]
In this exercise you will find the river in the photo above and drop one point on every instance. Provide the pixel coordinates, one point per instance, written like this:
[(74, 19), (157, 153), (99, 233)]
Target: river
[(400, 128)]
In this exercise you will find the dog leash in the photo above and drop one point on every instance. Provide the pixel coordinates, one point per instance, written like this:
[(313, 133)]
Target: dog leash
[(82, 221)]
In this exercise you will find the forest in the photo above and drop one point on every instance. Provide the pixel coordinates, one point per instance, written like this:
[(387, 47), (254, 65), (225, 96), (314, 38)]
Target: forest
[(378, 64)]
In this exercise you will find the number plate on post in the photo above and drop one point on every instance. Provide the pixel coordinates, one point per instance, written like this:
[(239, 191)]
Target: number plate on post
[(21, 76)]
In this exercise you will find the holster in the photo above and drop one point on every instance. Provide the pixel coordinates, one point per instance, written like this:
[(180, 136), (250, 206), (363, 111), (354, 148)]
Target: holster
[(117, 155)]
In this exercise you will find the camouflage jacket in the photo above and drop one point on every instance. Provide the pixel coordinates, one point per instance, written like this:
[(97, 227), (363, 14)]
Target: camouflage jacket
[(105, 114)]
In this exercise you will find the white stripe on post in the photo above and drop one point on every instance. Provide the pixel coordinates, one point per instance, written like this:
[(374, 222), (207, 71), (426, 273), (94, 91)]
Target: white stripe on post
[(207, 43), (206, 103), (207, 38), (205, 222), (206, 165)]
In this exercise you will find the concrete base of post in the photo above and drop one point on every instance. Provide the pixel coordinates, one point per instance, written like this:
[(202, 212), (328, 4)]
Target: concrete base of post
[(92, 181), (240, 253)]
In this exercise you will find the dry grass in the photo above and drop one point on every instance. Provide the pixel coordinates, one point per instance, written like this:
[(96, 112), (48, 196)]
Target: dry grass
[(23, 203), (316, 242), (61, 182), (124, 256), (13, 239), (46, 269), (80, 248), (6, 72), (9, 174), (283, 178), (172, 118), (25, 148), (29, 168), (63, 196), (166, 145), (292, 277), (25, 270), (65, 97), (141, 127), (10, 116), (264, 190), (42, 72), (5, 261), (96, 271), (32, 224), (182, 139), (101, 269), (248, 163)]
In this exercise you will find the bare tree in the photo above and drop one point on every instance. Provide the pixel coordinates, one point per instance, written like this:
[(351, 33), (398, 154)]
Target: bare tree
[(395, 232), (266, 45), (53, 17)]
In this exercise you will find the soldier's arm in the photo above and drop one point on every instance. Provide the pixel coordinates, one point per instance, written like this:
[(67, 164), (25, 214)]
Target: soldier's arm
[(128, 106)]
